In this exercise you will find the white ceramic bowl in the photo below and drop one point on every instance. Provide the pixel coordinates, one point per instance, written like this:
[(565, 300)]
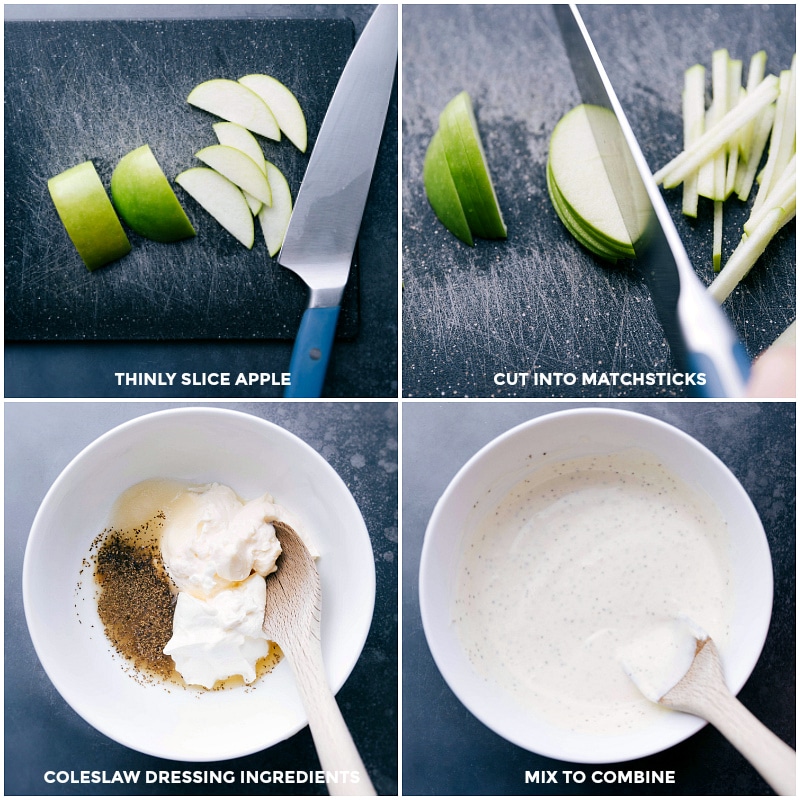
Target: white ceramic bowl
[(203, 445), (497, 468)]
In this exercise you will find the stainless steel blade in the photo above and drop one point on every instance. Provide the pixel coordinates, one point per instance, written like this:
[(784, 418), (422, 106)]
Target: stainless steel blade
[(698, 333), (323, 229)]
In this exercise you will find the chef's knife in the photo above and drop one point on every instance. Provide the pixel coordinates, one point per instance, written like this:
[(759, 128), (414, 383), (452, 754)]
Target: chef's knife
[(322, 232), (698, 332)]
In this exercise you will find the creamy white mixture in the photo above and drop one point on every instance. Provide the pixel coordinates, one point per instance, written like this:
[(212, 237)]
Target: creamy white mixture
[(577, 571), (217, 550)]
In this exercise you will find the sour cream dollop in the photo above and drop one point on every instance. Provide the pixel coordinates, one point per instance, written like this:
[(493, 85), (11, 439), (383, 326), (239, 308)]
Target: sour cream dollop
[(217, 550)]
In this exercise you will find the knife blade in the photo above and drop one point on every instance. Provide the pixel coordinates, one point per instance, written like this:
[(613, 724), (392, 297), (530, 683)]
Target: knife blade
[(699, 334), (323, 228)]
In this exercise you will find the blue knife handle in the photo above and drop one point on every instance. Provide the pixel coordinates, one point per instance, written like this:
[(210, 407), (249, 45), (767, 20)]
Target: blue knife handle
[(700, 362), (312, 350)]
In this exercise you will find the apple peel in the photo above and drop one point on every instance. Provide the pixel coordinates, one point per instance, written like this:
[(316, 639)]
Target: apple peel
[(144, 198), (442, 193), (88, 215), (456, 176)]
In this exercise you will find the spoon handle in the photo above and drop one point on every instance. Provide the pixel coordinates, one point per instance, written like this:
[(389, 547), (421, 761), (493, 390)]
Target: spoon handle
[(335, 747), (704, 693), (773, 758)]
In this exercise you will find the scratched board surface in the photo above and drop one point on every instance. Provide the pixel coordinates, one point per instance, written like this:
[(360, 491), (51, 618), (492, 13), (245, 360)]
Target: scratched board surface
[(96, 90), (537, 302)]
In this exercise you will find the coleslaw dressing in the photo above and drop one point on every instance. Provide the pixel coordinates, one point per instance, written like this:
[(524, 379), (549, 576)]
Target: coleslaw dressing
[(568, 574)]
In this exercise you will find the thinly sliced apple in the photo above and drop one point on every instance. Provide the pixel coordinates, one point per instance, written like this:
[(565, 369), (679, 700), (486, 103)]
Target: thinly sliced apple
[(234, 102), (441, 191), (581, 173), (222, 199), (602, 243), (145, 200), (584, 237), (469, 168), (274, 219), (237, 168), (236, 136), (284, 106), (88, 216), (718, 135)]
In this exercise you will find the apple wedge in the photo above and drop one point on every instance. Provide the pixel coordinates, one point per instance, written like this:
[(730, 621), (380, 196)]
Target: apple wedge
[(145, 200), (233, 135), (88, 216), (284, 106), (584, 237), (238, 168), (274, 219), (441, 191), (469, 169), (584, 178), (222, 199), (234, 102)]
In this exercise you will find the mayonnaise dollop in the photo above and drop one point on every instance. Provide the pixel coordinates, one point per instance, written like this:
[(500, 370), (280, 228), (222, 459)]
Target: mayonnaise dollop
[(217, 550), (212, 540)]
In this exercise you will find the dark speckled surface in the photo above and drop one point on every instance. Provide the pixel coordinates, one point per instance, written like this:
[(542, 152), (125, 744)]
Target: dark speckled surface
[(43, 733), (447, 751), (538, 301)]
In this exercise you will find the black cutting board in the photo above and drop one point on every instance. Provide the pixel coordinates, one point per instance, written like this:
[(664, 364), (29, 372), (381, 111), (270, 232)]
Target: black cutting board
[(538, 302), (96, 90)]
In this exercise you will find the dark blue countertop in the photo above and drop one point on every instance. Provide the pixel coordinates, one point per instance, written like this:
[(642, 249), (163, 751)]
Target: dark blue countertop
[(447, 751), (43, 733)]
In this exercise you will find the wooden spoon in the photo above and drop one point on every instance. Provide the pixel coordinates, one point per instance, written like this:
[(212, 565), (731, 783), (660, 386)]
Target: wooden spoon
[(292, 621), (703, 692)]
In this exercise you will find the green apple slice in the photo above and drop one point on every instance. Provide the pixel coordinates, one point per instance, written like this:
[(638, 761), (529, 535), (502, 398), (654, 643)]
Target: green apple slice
[(469, 169), (222, 199), (441, 191), (585, 238), (236, 136), (581, 172), (274, 219), (145, 200), (589, 237), (284, 106), (234, 102), (237, 168), (88, 216)]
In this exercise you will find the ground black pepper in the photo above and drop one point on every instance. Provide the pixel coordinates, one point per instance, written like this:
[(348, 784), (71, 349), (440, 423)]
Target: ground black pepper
[(135, 603)]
